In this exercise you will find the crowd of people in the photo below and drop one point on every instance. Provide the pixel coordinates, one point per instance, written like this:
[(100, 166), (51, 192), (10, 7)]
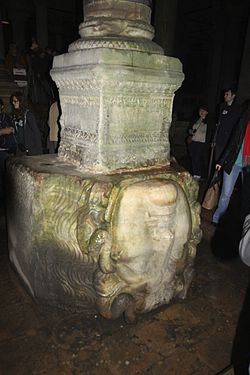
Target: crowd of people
[(229, 147)]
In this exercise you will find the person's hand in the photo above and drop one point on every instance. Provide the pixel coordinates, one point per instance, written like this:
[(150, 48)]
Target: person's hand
[(218, 167)]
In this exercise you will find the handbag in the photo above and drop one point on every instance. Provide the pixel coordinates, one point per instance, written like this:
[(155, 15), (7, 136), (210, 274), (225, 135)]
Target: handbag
[(211, 197), (216, 178)]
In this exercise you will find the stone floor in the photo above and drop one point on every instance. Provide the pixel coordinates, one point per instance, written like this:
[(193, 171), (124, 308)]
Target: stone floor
[(201, 335)]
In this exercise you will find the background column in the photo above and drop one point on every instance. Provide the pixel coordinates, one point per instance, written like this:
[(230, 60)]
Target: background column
[(41, 23)]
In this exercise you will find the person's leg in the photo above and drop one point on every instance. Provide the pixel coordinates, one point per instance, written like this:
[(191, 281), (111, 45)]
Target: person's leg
[(195, 157), (245, 200), (199, 159), (229, 181)]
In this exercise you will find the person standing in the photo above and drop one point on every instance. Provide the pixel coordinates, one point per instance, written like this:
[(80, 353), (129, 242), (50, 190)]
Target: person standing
[(228, 118), (7, 142), (198, 145), (54, 129), (235, 160), (27, 133)]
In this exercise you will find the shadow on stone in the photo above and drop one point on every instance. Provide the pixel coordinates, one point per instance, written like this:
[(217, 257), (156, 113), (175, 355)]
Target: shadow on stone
[(225, 243)]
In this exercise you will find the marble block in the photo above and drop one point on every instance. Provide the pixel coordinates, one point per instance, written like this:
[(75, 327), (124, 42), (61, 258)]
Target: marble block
[(116, 108), (117, 243)]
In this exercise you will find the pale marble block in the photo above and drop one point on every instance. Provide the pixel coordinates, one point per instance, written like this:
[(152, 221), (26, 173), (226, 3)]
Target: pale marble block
[(116, 108), (112, 244)]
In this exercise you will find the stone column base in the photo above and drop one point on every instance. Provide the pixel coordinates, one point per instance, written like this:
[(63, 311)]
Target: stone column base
[(121, 243)]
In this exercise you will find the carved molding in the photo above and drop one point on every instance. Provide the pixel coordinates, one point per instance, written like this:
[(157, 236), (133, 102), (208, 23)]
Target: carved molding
[(119, 44), (131, 87)]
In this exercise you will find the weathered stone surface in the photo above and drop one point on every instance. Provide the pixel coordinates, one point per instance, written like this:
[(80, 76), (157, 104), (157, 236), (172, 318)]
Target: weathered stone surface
[(120, 18), (118, 243), (109, 225), (116, 90), (116, 108)]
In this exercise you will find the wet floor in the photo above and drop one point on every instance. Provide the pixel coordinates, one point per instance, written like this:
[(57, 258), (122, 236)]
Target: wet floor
[(198, 336)]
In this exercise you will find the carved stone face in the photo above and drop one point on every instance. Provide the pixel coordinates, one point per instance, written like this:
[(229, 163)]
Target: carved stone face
[(147, 234)]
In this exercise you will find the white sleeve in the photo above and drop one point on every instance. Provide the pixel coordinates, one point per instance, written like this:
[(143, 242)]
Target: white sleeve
[(244, 247)]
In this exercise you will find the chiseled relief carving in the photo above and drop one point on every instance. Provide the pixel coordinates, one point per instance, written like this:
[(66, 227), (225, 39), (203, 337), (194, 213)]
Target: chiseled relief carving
[(139, 46), (129, 121), (115, 85), (145, 260), (80, 126), (112, 224), (73, 223), (74, 83), (161, 102), (123, 247)]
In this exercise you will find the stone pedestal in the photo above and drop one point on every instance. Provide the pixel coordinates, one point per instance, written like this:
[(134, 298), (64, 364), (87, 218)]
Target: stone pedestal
[(112, 244), (116, 108), (110, 224), (116, 90)]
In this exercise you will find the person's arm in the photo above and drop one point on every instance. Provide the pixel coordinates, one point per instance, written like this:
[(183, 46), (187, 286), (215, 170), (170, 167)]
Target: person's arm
[(7, 131), (190, 129)]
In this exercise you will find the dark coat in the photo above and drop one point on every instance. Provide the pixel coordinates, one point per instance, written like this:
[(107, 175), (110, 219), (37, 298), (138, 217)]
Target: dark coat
[(228, 119), (33, 141), (231, 153), (28, 134), (7, 141)]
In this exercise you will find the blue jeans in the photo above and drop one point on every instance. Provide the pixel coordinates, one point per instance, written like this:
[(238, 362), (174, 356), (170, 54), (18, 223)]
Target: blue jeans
[(229, 181)]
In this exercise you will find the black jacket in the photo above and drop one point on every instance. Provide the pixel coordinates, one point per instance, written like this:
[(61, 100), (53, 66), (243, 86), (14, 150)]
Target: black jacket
[(33, 141), (7, 141), (231, 153), (229, 117), (27, 133)]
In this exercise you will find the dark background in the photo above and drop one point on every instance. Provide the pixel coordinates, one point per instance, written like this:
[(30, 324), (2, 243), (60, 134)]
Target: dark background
[(210, 37)]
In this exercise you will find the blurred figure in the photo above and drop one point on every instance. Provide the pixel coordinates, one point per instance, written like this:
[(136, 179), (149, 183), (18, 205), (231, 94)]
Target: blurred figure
[(7, 137), (198, 143), (7, 142), (39, 65), (236, 160), (228, 118), (26, 130), (54, 127), (16, 65)]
